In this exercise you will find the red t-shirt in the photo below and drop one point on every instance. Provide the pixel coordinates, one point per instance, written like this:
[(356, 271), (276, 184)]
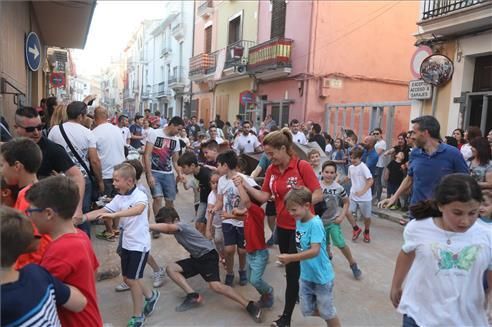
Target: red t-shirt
[(298, 173), (21, 204), (71, 259), (254, 229)]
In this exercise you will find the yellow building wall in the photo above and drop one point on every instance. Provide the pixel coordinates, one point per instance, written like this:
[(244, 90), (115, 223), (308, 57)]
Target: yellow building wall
[(232, 91), (228, 9), (443, 92)]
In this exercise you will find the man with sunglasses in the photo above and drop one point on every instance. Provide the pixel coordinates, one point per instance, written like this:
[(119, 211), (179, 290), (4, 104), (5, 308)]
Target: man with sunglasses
[(55, 159), (380, 147)]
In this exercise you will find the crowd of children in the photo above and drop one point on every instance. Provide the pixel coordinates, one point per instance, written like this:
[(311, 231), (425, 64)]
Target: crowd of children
[(230, 221)]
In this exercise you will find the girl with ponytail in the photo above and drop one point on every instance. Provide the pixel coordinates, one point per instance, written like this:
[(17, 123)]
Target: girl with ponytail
[(443, 259)]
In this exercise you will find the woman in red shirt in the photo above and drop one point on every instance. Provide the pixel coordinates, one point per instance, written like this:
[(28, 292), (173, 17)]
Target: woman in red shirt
[(285, 172)]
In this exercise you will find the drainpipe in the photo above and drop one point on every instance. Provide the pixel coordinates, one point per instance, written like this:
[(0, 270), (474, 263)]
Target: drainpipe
[(192, 53), (312, 40)]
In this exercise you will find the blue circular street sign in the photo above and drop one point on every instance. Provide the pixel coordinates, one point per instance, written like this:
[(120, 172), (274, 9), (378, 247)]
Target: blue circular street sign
[(33, 51)]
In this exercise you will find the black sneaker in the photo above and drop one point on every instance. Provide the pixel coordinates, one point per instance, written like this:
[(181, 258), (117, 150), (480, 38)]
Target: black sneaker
[(282, 321), (149, 305), (229, 280), (192, 300), (254, 311), (356, 271)]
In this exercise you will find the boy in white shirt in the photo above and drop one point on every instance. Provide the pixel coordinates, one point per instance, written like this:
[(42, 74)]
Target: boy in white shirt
[(131, 205), (360, 192)]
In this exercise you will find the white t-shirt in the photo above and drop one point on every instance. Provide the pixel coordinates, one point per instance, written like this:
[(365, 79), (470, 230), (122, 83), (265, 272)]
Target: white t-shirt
[(212, 199), (125, 134), (246, 144), (444, 285), (358, 176), (136, 236), (109, 148), (328, 148), (81, 138), (299, 138), (231, 197), (145, 134), (380, 145), (164, 148), (466, 151)]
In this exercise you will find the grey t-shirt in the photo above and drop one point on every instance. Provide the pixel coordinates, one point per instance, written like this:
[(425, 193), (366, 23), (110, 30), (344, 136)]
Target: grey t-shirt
[(333, 196), (193, 241)]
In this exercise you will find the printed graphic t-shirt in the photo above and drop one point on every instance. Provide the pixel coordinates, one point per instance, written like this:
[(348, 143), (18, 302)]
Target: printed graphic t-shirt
[(332, 195), (164, 148), (231, 197), (451, 274)]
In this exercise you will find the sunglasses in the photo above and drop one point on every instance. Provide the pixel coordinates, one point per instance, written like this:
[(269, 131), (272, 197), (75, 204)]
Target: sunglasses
[(375, 133), (31, 129), (29, 211)]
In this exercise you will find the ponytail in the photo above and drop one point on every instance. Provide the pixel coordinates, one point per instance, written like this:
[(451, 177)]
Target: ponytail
[(425, 209), (280, 138)]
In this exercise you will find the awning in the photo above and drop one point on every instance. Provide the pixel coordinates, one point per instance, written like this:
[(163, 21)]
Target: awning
[(64, 24)]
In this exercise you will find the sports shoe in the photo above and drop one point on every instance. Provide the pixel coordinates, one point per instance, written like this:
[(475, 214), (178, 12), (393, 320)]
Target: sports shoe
[(106, 236), (356, 271), (367, 237), (254, 311), (356, 233), (266, 300), (229, 280), (136, 321), (122, 287), (282, 321), (158, 278), (243, 278), (192, 300), (149, 304)]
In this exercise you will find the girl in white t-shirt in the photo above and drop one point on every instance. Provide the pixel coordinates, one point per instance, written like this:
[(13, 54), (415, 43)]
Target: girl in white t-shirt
[(214, 222), (444, 258)]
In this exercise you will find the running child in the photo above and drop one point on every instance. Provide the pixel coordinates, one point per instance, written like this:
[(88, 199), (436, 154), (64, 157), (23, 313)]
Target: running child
[(203, 260), (131, 205), (317, 275), (29, 296), (334, 194), (256, 248), (69, 257), (360, 192), (445, 254), (315, 161), (214, 220)]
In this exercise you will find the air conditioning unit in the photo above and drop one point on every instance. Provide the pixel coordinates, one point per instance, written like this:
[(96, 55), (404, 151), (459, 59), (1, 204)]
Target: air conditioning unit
[(244, 61), (324, 86), (240, 69)]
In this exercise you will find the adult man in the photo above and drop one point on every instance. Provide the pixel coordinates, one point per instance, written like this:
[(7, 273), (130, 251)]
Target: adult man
[(214, 134), (317, 137), (380, 147), (370, 156), (297, 135), (84, 142), (110, 148), (136, 132), (246, 142), (124, 130), (192, 129), (55, 159), (269, 122), (161, 155), (220, 124), (429, 162)]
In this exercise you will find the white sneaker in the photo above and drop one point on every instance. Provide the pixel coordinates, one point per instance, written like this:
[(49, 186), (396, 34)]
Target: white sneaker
[(279, 264), (158, 278), (122, 287)]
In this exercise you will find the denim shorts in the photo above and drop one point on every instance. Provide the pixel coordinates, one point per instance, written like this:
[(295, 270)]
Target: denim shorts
[(233, 235), (365, 207), (201, 213), (165, 186), (317, 298)]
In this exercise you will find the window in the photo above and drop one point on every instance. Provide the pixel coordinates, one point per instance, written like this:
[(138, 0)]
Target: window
[(280, 115), (208, 39), (277, 28), (235, 30)]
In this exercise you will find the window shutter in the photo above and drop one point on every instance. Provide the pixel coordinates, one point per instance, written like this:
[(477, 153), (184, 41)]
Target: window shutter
[(278, 18)]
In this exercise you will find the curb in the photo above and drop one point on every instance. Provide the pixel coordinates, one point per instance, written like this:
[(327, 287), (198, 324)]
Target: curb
[(393, 216)]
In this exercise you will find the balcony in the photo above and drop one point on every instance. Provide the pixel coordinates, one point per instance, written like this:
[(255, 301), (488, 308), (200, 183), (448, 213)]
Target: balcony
[(271, 59), (176, 81), (162, 91), (455, 17), (178, 31), (205, 9), (166, 51), (202, 66), (128, 94)]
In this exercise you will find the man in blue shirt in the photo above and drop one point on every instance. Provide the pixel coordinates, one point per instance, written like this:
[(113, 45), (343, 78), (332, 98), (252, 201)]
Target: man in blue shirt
[(370, 156), (430, 161)]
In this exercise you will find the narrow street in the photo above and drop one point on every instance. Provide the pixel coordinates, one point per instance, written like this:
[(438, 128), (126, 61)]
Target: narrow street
[(376, 260)]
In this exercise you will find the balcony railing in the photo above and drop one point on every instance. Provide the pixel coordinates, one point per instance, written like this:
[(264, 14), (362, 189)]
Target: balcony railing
[(437, 8), (166, 50), (127, 94), (162, 91), (177, 76), (203, 64), (237, 53), (206, 8), (274, 53)]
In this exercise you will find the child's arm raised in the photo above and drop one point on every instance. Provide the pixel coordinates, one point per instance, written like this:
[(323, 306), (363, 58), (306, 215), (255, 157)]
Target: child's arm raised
[(76, 302), (304, 255), (93, 215), (402, 266), (164, 228), (134, 211)]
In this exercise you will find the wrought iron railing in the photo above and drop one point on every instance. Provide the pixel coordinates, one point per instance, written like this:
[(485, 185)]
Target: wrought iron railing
[(270, 54), (237, 53), (177, 75), (436, 8), (204, 7), (203, 64)]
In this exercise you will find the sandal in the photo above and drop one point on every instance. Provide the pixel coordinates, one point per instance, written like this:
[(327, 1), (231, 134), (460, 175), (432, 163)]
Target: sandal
[(106, 236)]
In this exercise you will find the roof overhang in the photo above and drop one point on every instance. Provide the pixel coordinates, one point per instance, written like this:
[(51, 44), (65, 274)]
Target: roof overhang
[(64, 24)]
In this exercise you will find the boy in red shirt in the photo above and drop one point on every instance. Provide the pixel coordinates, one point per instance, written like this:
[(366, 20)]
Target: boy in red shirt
[(20, 159), (69, 257), (257, 252)]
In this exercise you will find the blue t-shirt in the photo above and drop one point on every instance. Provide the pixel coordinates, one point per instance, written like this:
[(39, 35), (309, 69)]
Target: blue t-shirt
[(370, 158), (428, 170), (32, 300), (264, 162), (136, 130), (318, 269)]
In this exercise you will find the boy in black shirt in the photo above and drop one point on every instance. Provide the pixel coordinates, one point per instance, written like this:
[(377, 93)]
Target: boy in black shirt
[(395, 174)]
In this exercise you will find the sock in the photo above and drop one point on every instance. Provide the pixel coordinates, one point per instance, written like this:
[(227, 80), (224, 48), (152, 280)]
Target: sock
[(355, 227), (366, 231)]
